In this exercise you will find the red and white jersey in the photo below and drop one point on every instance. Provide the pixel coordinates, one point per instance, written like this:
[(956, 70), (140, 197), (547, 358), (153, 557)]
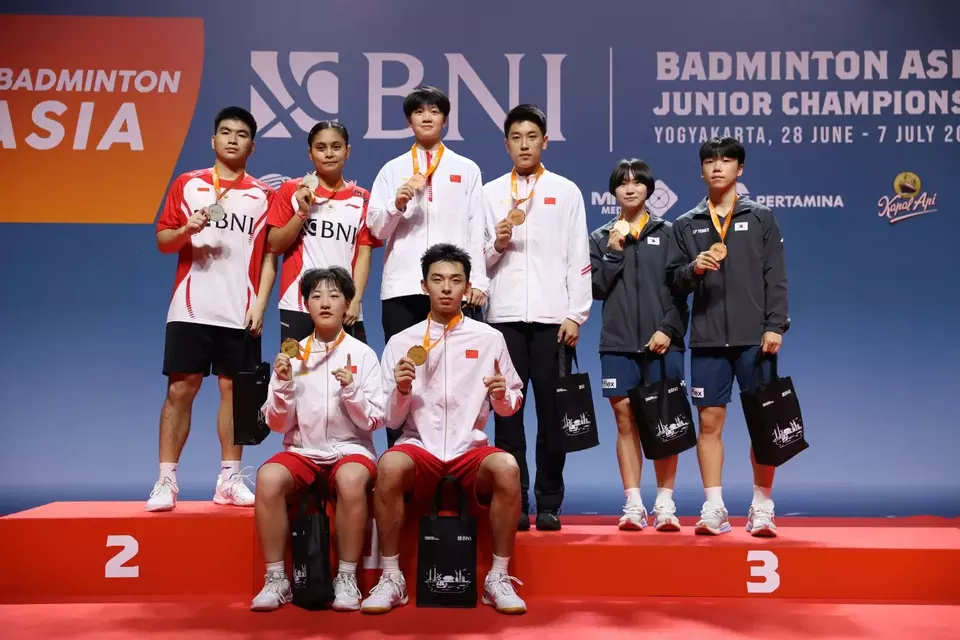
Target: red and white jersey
[(218, 273), (335, 228)]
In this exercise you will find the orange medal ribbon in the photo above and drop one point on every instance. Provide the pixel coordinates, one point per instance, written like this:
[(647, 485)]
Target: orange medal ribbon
[(216, 183), (427, 346), (716, 219), (635, 231), (513, 187), (306, 350), (433, 165)]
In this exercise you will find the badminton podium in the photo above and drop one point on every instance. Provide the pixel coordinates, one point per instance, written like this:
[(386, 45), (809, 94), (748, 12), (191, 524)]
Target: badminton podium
[(114, 551)]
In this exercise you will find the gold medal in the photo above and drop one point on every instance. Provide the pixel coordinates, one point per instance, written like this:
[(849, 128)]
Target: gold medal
[(516, 217), (417, 181), (719, 250), (417, 355), (290, 348), (622, 227)]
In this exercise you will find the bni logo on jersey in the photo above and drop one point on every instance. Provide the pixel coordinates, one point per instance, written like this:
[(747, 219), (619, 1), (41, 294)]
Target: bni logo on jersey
[(658, 203)]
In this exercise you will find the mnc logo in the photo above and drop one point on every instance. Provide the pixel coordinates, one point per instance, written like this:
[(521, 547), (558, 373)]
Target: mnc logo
[(292, 91), (659, 202)]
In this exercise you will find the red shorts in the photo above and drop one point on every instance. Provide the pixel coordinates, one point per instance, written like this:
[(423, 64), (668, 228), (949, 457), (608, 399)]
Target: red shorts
[(429, 470), (305, 471)]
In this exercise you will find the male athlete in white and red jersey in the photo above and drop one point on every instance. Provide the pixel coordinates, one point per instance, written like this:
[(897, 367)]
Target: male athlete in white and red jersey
[(440, 379), (327, 400), (319, 222), (216, 220)]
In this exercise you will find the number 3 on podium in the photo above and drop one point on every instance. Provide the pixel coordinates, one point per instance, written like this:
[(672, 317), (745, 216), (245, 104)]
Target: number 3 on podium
[(767, 569), (114, 567)]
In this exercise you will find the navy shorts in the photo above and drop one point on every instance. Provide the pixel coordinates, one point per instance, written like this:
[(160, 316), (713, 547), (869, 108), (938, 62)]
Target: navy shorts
[(622, 372), (712, 372)]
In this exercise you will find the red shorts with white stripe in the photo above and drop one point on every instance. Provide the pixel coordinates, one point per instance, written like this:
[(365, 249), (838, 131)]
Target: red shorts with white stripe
[(429, 470)]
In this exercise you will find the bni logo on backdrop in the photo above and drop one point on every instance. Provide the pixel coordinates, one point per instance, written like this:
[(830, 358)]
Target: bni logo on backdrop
[(658, 203), (115, 114), (908, 201), (291, 91)]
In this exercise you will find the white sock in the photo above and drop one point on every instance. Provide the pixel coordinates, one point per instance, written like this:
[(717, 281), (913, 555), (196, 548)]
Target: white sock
[(275, 567), (168, 470), (390, 565), (761, 496), (714, 496), (500, 565), (664, 495), (228, 468), (633, 496), (348, 567)]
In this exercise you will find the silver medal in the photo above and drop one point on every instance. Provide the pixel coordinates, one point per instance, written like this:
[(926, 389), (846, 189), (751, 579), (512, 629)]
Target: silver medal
[(311, 181), (216, 213)]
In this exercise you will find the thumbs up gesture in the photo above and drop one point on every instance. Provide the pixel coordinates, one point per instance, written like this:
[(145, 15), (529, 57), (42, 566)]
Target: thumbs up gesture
[(345, 373), (496, 384)]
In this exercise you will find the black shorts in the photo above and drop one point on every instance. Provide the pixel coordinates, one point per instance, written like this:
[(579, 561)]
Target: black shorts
[(199, 348), (298, 325)]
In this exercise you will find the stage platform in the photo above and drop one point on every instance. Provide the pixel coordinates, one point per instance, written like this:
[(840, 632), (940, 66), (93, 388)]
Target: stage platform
[(114, 552)]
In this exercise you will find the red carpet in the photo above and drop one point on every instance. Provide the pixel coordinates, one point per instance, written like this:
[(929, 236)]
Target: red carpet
[(683, 619)]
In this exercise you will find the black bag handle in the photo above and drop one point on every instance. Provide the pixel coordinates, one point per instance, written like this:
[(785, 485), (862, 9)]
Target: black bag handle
[(318, 499), (438, 495), (758, 370), (647, 356), (565, 352)]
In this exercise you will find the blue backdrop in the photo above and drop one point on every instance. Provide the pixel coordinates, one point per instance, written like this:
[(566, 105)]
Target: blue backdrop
[(873, 346)]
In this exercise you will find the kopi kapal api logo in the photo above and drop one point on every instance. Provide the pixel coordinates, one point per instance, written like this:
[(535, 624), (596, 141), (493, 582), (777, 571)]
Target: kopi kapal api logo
[(908, 201)]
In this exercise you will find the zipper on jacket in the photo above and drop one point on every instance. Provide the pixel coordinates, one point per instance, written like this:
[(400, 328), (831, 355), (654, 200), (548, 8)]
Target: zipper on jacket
[(636, 265), (326, 421), (444, 458), (723, 285)]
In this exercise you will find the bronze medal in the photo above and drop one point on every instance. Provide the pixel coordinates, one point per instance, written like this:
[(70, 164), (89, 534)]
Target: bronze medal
[(622, 227), (516, 217), (719, 250), (417, 181), (290, 348), (417, 355)]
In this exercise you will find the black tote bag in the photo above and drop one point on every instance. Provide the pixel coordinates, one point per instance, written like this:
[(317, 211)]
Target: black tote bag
[(447, 555), (310, 547), (662, 414), (577, 429), (772, 413), (249, 394)]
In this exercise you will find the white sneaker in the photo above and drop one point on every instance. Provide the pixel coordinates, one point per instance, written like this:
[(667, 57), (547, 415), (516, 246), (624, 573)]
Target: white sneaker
[(389, 592), (713, 521), (760, 522), (234, 491), (164, 495), (498, 591), (634, 518), (276, 591), (346, 593), (666, 516)]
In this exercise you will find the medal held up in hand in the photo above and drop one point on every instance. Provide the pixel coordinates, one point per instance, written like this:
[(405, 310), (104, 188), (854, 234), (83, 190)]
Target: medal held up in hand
[(290, 348)]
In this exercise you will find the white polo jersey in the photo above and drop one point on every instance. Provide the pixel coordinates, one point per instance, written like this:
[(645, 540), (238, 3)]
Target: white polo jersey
[(218, 272)]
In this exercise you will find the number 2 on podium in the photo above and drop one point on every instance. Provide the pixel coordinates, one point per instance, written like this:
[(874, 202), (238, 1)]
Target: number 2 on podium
[(114, 567), (767, 569)]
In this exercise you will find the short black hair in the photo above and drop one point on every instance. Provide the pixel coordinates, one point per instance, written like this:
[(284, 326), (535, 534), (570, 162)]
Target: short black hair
[(444, 252), (722, 147), (426, 96), (638, 169), (336, 277), (525, 113), (328, 124), (236, 113)]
